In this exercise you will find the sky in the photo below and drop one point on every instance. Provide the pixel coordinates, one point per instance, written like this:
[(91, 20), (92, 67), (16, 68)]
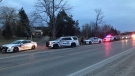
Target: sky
[(118, 13)]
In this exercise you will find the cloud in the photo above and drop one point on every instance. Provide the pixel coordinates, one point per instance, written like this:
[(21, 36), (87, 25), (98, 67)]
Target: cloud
[(119, 13), (28, 5)]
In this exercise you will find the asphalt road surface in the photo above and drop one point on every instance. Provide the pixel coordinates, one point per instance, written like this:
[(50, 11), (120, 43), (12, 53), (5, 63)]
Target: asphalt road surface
[(59, 62)]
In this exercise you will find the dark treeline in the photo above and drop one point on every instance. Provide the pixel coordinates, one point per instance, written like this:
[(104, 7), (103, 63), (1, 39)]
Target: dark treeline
[(18, 24), (14, 24), (88, 30)]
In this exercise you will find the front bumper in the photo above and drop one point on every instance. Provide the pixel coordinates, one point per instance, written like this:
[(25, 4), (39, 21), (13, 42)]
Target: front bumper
[(48, 44), (6, 49)]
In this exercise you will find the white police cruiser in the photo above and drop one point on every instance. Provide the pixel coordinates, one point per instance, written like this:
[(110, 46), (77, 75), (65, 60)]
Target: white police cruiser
[(93, 40), (67, 41), (18, 45)]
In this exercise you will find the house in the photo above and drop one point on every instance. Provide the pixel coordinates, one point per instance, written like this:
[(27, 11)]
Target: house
[(38, 30)]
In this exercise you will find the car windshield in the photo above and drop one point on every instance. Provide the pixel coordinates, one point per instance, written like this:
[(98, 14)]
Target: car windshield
[(16, 42), (91, 38), (58, 39)]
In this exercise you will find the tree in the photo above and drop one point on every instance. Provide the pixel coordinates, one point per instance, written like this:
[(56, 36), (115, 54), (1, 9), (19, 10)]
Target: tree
[(108, 29), (86, 30), (77, 28), (7, 16), (24, 23), (48, 10), (99, 17), (66, 25), (7, 33)]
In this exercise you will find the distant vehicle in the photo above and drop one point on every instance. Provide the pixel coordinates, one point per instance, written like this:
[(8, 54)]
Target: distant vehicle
[(67, 41), (133, 36), (116, 38), (125, 37), (19, 45), (93, 40), (108, 38)]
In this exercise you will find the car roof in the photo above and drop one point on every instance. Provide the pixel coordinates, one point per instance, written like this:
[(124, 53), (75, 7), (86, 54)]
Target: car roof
[(19, 40), (23, 40), (68, 36)]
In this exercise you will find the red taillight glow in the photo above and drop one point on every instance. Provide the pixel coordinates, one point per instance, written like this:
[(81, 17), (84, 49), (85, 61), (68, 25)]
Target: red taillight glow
[(109, 36), (106, 40)]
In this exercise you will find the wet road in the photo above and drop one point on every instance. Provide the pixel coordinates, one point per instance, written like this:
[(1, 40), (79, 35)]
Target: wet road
[(59, 62)]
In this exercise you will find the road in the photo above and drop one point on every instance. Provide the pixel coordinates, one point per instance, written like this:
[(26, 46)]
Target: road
[(59, 62)]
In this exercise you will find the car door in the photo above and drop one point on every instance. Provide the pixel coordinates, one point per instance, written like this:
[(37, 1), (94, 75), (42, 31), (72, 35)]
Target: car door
[(23, 45), (95, 40), (28, 44), (65, 41)]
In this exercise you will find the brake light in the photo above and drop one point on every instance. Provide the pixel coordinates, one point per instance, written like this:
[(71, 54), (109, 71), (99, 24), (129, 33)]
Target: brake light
[(106, 39)]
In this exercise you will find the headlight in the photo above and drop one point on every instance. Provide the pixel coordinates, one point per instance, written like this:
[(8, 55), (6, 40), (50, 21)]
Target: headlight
[(11, 47), (50, 43)]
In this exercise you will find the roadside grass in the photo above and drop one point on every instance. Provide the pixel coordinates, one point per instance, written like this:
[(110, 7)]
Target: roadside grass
[(6, 41)]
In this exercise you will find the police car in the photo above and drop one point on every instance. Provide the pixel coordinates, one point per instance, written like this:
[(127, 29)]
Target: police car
[(67, 41), (93, 40), (108, 38), (18, 45)]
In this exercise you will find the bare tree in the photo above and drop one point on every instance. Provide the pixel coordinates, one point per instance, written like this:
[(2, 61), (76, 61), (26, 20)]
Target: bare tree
[(8, 16), (99, 17), (48, 9), (35, 18), (7, 19), (86, 30)]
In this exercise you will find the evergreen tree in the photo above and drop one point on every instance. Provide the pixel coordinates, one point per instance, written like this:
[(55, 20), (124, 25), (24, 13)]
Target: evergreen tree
[(7, 33), (18, 30), (24, 21), (65, 25)]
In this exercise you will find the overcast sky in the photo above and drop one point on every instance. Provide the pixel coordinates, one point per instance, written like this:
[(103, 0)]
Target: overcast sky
[(118, 13)]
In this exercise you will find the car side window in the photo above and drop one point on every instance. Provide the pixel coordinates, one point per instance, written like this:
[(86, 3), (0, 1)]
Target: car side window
[(63, 39), (28, 41), (68, 38), (74, 38), (24, 42)]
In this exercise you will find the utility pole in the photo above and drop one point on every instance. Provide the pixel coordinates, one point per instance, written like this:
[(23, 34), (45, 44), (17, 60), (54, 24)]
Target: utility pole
[(53, 22)]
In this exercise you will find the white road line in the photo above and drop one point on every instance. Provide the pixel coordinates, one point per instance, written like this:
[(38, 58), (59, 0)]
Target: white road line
[(101, 63)]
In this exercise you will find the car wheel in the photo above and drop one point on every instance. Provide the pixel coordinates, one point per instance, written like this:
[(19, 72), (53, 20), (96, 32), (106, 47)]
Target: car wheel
[(90, 42), (33, 47), (0, 49), (73, 45), (55, 46), (16, 49), (99, 42)]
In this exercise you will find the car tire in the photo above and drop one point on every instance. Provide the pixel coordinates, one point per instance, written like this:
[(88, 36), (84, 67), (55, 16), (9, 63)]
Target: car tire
[(99, 42), (0, 49), (90, 42), (55, 46), (73, 45), (16, 49), (33, 47)]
